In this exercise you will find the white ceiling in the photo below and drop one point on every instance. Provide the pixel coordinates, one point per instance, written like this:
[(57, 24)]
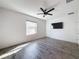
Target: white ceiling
[(30, 7)]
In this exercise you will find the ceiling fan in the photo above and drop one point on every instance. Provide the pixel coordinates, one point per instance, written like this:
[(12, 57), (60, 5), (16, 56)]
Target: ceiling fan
[(46, 12)]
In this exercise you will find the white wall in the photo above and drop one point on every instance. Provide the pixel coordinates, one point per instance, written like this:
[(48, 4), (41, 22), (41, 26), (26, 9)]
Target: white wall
[(12, 28), (78, 24), (68, 33)]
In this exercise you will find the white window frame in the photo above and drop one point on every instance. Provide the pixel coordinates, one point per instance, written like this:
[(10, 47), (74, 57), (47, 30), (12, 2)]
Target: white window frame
[(28, 30)]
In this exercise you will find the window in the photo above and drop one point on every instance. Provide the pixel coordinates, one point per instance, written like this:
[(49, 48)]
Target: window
[(31, 28)]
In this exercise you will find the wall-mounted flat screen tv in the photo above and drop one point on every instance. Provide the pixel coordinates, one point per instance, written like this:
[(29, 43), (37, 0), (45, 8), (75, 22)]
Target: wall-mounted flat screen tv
[(58, 25)]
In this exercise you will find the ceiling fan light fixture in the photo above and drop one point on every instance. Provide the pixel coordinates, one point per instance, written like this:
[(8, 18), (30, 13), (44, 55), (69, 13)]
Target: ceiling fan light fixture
[(46, 12)]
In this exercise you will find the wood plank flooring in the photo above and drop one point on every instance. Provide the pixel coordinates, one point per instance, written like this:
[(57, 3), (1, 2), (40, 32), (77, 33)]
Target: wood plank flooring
[(47, 48)]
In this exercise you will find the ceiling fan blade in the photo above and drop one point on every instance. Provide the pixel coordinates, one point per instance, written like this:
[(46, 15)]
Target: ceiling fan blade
[(40, 13), (50, 9), (50, 14), (42, 9)]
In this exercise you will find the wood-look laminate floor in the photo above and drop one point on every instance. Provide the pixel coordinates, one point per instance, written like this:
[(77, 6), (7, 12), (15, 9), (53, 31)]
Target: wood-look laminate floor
[(47, 48)]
